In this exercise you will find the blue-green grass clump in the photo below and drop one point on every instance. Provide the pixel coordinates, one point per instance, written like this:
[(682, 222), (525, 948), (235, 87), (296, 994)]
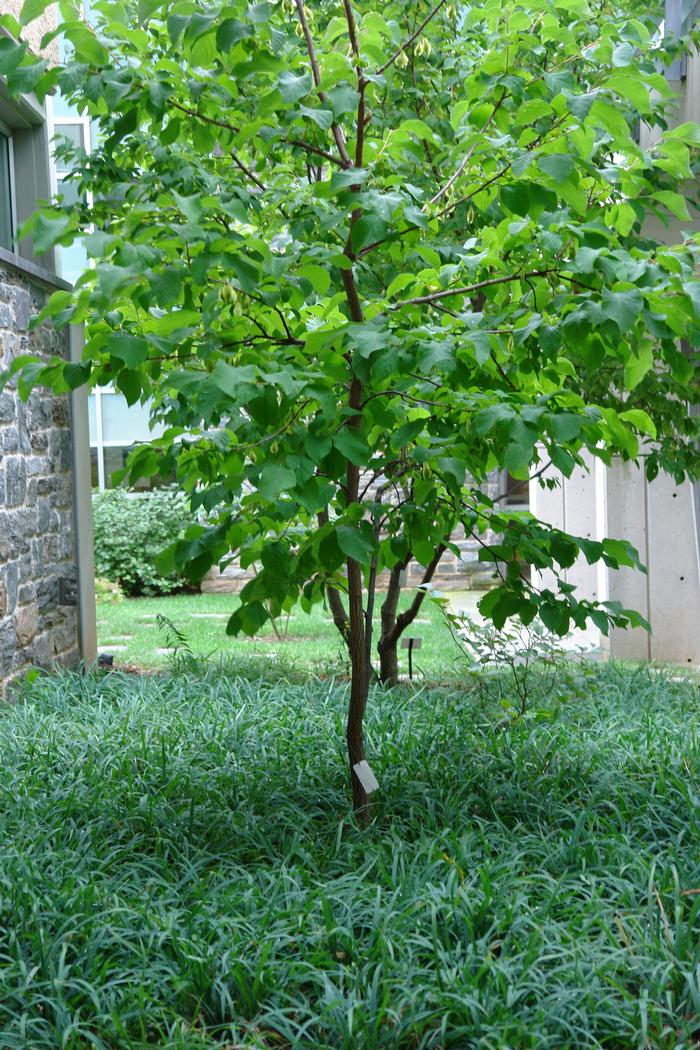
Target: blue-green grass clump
[(178, 868)]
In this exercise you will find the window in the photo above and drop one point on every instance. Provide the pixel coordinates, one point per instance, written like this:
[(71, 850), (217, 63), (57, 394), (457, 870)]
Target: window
[(71, 261), (514, 494), (6, 224), (115, 428)]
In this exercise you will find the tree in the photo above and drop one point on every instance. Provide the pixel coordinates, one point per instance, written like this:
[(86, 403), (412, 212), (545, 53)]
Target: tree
[(360, 259)]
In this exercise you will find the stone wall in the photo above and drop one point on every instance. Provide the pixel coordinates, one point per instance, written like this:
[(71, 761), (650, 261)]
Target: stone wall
[(37, 535)]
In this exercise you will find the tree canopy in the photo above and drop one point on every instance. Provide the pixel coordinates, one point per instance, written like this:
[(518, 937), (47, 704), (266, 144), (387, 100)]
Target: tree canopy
[(360, 256)]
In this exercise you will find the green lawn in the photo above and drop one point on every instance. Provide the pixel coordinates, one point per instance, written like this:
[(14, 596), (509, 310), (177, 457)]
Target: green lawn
[(129, 630), (178, 868)]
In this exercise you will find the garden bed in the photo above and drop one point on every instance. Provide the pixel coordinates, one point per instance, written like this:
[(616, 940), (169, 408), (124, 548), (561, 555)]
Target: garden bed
[(179, 867)]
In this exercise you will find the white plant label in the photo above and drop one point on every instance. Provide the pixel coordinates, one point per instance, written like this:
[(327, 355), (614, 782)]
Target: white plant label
[(364, 774)]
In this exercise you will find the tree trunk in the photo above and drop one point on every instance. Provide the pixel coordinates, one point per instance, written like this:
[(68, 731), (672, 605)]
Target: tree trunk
[(359, 683), (359, 689), (389, 663), (388, 642), (393, 625)]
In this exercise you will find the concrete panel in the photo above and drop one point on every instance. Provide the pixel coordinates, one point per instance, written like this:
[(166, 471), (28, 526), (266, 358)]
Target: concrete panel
[(627, 519), (548, 506), (34, 32), (580, 516), (674, 572)]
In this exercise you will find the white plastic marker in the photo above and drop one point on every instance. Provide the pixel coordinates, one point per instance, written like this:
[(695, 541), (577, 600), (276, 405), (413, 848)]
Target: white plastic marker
[(364, 774)]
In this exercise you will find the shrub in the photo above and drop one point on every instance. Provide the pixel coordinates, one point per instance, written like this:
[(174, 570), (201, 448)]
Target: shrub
[(130, 530), (107, 592)]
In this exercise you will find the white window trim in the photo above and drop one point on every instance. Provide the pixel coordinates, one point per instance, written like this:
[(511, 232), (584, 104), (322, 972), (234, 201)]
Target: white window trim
[(56, 176)]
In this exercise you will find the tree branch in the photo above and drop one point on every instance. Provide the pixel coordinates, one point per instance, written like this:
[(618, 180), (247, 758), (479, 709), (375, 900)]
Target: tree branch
[(404, 395), (306, 146), (404, 619), (316, 72), (450, 183), (468, 289), (361, 85), (407, 43)]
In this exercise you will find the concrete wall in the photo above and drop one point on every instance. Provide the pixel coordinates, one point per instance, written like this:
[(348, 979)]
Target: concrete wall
[(34, 32), (38, 626), (659, 519)]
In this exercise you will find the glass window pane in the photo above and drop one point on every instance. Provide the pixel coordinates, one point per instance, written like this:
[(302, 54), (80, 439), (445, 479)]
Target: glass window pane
[(5, 198), (94, 474), (72, 261), (517, 493), (92, 419), (115, 459), (74, 134), (63, 108), (69, 191), (123, 423)]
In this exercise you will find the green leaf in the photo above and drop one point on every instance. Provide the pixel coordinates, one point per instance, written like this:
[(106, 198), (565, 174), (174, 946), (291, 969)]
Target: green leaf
[(400, 282), (367, 230), (341, 180), (231, 32), (322, 117), (47, 229), (623, 308), (356, 542), (343, 99), (675, 203), (131, 349), (564, 426), (637, 366), (11, 55), (275, 479), (640, 420), (317, 276), (292, 87), (557, 165), (631, 88), (32, 9), (516, 197), (352, 444)]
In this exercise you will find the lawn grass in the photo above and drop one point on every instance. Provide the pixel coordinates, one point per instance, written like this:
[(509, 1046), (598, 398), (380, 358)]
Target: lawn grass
[(129, 630), (178, 868)]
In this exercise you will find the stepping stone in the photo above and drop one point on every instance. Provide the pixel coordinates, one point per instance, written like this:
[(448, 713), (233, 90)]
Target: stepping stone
[(210, 616), (164, 652), (111, 648)]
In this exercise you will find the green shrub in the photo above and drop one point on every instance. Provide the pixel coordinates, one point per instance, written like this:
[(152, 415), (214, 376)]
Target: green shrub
[(130, 530), (107, 592)]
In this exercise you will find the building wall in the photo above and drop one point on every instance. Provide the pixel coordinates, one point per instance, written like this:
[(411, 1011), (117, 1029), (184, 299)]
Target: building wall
[(34, 32), (37, 520)]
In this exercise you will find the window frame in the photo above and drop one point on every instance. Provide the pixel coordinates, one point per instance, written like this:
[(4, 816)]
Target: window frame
[(99, 443), (54, 122), (6, 133)]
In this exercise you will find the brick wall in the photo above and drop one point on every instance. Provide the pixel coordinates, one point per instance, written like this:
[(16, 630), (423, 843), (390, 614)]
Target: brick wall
[(37, 534)]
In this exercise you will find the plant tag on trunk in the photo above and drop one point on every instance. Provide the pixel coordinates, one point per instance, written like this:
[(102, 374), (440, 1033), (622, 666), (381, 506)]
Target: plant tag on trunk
[(363, 772)]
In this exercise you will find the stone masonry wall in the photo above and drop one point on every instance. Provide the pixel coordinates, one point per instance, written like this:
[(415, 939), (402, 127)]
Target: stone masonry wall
[(37, 535)]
